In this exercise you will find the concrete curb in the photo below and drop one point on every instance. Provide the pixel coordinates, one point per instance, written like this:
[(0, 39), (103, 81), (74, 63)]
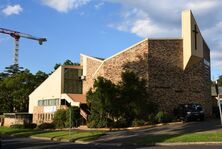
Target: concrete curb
[(162, 144), (82, 142), (50, 139), (128, 128), (120, 144), (60, 140), (41, 138), (186, 143)]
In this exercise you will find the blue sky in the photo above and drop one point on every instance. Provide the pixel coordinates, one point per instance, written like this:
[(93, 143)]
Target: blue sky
[(100, 28)]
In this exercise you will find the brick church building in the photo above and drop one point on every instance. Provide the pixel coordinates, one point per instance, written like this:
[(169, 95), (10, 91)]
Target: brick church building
[(177, 71)]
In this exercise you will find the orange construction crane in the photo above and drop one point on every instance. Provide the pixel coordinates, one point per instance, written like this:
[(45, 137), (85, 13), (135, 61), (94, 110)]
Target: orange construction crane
[(17, 35)]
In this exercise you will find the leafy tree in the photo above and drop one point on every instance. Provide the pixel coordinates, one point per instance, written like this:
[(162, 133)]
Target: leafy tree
[(3, 76), (40, 77), (57, 66), (67, 63), (15, 89), (119, 105), (101, 102), (13, 69), (62, 117), (219, 81), (135, 97), (75, 117), (5, 100)]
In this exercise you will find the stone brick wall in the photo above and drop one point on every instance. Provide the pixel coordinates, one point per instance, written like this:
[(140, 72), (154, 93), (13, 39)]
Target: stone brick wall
[(197, 85), (92, 66), (169, 84), (161, 63), (9, 121), (165, 66), (134, 58), (39, 116)]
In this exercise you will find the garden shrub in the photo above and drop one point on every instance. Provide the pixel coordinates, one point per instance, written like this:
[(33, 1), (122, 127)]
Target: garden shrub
[(119, 103), (138, 122), (30, 126), (75, 117), (46, 126), (91, 124), (17, 126), (152, 119), (60, 118), (21, 126), (162, 117), (121, 123)]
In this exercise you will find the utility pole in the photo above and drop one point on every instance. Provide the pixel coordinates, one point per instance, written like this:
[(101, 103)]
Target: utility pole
[(70, 120), (218, 101)]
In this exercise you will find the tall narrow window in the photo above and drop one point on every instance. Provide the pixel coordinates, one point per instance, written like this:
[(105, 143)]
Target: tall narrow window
[(72, 81)]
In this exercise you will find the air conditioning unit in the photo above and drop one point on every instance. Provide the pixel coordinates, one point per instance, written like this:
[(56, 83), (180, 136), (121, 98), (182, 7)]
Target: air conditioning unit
[(82, 77)]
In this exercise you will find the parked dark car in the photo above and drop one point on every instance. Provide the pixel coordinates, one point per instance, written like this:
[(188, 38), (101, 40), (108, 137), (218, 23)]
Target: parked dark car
[(189, 112)]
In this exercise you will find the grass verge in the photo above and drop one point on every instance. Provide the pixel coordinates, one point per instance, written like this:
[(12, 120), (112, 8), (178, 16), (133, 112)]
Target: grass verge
[(72, 136), (57, 135), (15, 131), (192, 137)]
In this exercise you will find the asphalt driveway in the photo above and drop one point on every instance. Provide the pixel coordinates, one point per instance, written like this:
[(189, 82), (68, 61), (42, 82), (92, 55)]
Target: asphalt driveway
[(172, 129)]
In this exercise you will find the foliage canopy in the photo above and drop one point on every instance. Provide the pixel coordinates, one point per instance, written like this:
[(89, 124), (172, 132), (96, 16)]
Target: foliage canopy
[(63, 119), (15, 87), (118, 105)]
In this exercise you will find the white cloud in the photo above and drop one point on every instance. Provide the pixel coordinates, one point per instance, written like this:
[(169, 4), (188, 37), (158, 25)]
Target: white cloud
[(217, 65), (166, 14), (214, 32), (144, 27), (161, 18), (138, 22), (10, 10), (203, 6), (216, 55), (64, 5), (120, 27), (99, 5)]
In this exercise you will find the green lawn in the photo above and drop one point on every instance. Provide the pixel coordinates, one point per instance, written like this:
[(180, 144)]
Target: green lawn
[(14, 131), (92, 135), (74, 135), (193, 137), (60, 135)]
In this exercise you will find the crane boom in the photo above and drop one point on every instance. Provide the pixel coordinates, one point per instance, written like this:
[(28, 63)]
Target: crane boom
[(17, 35)]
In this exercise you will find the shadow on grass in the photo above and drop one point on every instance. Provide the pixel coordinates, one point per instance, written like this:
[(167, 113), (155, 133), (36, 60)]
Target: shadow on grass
[(21, 132), (28, 133), (58, 137), (87, 138)]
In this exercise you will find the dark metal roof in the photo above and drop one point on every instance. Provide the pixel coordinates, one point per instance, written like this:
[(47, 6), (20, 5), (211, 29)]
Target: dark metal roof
[(99, 58)]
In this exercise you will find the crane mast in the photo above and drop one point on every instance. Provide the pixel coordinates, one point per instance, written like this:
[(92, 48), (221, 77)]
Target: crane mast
[(17, 35)]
